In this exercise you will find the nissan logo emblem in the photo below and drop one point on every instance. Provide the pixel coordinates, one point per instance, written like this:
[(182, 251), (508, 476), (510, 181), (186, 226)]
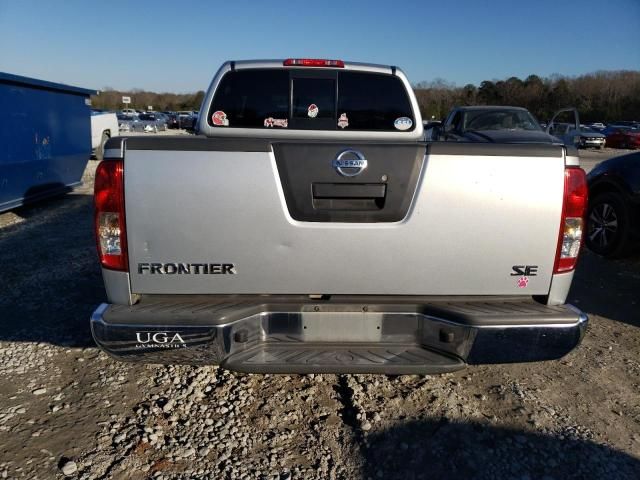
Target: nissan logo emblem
[(350, 163)]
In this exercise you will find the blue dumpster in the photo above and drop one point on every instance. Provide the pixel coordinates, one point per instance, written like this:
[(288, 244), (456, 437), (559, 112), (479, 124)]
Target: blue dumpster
[(45, 138)]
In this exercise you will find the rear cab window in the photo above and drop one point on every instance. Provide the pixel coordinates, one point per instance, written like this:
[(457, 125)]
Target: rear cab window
[(306, 99)]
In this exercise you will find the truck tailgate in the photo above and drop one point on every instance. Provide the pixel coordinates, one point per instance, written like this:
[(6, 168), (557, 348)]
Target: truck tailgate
[(455, 219)]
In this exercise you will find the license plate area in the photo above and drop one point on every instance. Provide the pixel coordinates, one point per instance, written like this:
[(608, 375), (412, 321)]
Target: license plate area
[(342, 327)]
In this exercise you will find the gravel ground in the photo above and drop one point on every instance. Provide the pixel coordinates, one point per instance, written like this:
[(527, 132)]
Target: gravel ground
[(68, 410)]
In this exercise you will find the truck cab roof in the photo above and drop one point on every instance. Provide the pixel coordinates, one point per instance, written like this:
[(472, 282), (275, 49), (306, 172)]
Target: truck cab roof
[(337, 64)]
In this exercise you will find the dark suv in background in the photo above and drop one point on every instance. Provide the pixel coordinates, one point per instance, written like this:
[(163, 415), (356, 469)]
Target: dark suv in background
[(613, 216)]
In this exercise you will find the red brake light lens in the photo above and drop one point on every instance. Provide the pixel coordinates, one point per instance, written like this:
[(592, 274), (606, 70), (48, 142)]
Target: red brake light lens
[(312, 62), (109, 221), (572, 223)]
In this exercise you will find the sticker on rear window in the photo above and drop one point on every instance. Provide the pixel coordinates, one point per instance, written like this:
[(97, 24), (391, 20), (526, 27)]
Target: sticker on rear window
[(403, 123), (343, 121), (276, 122), (219, 118), (312, 111)]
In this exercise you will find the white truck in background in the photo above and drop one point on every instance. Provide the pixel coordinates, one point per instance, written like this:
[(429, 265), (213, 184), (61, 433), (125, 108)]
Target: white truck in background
[(104, 125)]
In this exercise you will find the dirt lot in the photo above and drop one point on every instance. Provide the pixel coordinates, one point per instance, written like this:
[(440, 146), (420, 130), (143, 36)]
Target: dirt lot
[(67, 409)]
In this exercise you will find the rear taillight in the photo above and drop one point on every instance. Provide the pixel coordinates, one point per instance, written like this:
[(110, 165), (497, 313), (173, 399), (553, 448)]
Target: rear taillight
[(109, 219), (572, 222), (312, 62)]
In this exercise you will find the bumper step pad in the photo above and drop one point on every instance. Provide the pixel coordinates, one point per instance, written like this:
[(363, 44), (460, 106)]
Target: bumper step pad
[(326, 358)]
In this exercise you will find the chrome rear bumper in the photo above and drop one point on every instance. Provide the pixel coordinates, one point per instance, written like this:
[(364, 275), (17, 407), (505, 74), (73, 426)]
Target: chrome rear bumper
[(293, 335)]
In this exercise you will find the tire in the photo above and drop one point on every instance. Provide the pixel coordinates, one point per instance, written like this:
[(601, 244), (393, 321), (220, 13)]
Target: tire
[(100, 150), (608, 225)]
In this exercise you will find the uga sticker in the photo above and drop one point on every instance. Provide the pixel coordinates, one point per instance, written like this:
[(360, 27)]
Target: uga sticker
[(159, 340), (276, 122), (219, 118), (403, 123), (312, 111), (343, 121)]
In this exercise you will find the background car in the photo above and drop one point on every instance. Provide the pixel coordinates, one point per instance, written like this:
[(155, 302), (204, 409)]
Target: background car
[(186, 119), (613, 215), (194, 122), (496, 124), (619, 136), (172, 119), (627, 123), (586, 137), (431, 129), (590, 138), (581, 137), (129, 123), (152, 122), (565, 125), (164, 118)]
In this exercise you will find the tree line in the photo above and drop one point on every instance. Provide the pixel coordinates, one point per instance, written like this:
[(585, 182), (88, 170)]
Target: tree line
[(601, 96), (110, 99)]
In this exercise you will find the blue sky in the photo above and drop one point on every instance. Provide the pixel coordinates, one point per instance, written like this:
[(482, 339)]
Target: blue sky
[(178, 45)]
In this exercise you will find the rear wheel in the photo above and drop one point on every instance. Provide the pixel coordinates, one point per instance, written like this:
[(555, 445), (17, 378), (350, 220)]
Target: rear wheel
[(100, 149), (608, 225)]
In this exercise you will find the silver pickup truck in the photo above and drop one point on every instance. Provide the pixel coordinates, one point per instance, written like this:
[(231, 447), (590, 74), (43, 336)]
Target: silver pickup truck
[(308, 228)]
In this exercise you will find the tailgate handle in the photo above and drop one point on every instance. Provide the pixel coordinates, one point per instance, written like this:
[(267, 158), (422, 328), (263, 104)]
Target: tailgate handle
[(349, 190), (349, 196)]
